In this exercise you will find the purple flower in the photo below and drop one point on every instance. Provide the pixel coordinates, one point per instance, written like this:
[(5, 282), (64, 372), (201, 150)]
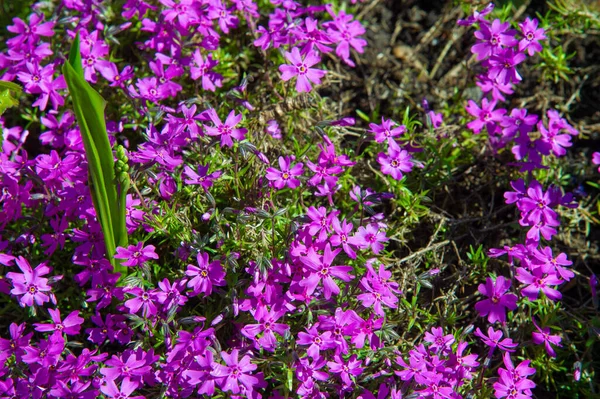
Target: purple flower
[(267, 326), (518, 122), (343, 31), (132, 7), (321, 270), (486, 115), (539, 279), (486, 85), (385, 131), (302, 68), (285, 176), (273, 129), (535, 207), (596, 159), (477, 16), (320, 221), (439, 341), (395, 162), (205, 275), (494, 340), (498, 299), (543, 336), (342, 236), (235, 371), (16, 344), (202, 178), (492, 38), (202, 68), (29, 32), (188, 123), (58, 132), (171, 294), (557, 142), (503, 66), (225, 130), (111, 390), (370, 237), (317, 342), (70, 325), (531, 36), (544, 257), (48, 352), (184, 12), (30, 284), (132, 365), (434, 119), (513, 382), (143, 299), (378, 290), (346, 369), (57, 238), (136, 255)]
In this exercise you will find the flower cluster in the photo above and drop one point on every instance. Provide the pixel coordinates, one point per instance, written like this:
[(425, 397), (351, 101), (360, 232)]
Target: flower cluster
[(500, 49), (438, 367), (397, 160)]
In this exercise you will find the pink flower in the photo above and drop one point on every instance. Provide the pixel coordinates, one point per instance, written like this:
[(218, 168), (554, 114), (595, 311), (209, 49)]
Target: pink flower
[(136, 255), (317, 342), (302, 68), (346, 368), (285, 176), (203, 69), (267, 327), (596, 159), (494, 339), (226, 130), (370, 237), (395, 162), (498, 299), (30, 284), (235, 372), (531, 36), (385, 131), (205, 275), (543, 336), (321, 270), (486, 115), (70, 325), (113, 392)]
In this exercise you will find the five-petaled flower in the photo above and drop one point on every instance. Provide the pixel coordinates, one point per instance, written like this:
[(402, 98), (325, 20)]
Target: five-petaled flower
[(302, 68), (30, 285), (498, 299), (136, 255), (205, 275), (286, 177)]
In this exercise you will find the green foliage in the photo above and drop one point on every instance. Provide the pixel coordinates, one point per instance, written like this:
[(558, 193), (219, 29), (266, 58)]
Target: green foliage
[(554, 64), (108, 185)]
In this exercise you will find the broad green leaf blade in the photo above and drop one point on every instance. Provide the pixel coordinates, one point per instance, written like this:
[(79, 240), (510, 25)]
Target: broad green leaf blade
[(89, 110), (9, 93)]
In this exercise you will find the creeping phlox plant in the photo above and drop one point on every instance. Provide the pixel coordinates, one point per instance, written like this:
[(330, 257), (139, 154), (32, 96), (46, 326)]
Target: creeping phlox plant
[(255, 260)]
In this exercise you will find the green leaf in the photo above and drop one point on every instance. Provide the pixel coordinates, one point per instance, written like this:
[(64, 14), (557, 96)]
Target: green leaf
[(9, 93), (89, 110)]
